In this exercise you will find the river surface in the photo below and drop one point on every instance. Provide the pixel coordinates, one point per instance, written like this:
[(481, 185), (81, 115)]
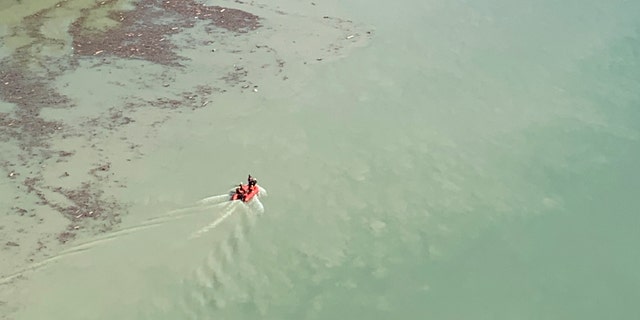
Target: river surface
[(419, 160)]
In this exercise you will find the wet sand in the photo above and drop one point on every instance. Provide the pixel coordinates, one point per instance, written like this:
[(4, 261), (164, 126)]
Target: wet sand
[(80, 108)]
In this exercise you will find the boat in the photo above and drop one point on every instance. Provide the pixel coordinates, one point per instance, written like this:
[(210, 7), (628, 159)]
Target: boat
[(248, 195)]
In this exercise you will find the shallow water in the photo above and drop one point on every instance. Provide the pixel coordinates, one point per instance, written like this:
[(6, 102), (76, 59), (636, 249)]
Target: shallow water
[(470, 160)]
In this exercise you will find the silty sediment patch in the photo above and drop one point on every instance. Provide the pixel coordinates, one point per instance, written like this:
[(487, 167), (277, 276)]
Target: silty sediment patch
[(27, 80), (145, 32)]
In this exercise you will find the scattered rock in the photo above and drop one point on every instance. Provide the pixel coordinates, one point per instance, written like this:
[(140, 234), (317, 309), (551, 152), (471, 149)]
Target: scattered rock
[(41, 245), (20, 211), (66, 236)]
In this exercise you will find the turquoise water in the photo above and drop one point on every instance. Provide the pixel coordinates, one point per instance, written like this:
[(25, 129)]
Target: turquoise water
[(472, 161)]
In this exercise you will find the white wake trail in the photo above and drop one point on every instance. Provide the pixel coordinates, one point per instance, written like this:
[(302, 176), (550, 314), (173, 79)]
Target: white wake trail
[(213, 224)]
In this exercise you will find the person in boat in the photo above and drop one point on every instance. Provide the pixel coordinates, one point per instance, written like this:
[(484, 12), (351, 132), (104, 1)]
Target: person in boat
[(240, 192), (251, 181)]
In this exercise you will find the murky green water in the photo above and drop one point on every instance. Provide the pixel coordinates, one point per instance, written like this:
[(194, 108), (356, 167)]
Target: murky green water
[(472, 161)]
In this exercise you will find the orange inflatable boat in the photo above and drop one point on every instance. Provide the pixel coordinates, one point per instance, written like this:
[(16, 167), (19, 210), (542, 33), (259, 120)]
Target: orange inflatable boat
[(246, 196)]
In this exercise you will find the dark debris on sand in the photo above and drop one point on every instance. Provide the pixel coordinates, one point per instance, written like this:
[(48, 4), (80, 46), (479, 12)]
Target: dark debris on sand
[(195, 99), (88, 201), (144, 33), (29, 93)]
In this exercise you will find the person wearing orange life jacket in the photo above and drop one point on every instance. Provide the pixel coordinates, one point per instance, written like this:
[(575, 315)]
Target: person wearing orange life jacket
[(251, 184), (240, 192)]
